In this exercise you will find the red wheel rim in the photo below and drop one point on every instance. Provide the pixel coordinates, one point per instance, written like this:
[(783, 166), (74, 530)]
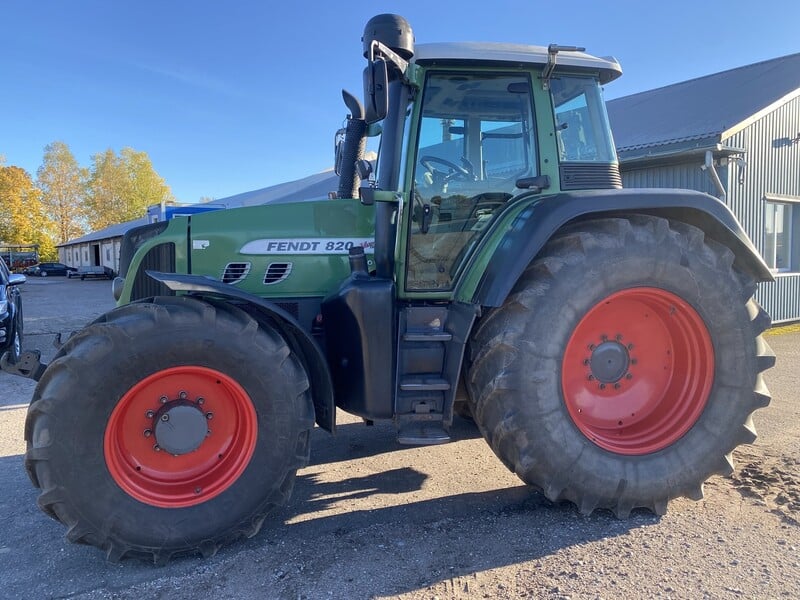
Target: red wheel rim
[(637, 371), (196, 397)]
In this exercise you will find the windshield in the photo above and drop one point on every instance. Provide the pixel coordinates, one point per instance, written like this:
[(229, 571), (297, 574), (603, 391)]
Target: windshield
[(582, 128)]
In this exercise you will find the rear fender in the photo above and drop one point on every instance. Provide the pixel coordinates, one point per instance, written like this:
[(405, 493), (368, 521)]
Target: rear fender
[(533, 227), (300, 341)]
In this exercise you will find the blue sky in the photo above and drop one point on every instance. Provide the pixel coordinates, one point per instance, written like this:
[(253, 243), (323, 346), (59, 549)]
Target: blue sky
[(228, 97)]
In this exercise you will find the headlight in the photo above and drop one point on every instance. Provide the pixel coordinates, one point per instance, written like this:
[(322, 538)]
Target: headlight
[(116, 287)]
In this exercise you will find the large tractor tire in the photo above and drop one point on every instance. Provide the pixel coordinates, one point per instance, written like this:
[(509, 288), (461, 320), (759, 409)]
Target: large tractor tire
[(168, 428), (624, 367)]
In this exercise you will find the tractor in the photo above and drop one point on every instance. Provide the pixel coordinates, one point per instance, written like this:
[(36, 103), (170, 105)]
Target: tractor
[(489, 263)]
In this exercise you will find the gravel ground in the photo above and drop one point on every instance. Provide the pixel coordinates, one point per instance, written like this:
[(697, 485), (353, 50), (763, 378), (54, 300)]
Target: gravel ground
[(372, 519)]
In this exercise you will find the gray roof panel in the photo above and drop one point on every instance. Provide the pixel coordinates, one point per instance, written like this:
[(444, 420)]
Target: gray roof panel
[(608, 68), (700, 108)]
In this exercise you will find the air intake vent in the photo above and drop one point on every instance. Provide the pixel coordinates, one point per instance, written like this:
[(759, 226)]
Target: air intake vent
[(293, 308), (158, 258), (235, 272), (587, 176), (277, 272)]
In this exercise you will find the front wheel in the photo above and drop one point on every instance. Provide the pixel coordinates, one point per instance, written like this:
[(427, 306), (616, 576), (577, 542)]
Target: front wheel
[(168, 428), (624, 367), (16, 343)]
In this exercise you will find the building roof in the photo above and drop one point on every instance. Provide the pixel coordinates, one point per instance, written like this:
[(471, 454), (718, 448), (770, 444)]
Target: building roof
[(307, 188), (112, 231), (702, 111)]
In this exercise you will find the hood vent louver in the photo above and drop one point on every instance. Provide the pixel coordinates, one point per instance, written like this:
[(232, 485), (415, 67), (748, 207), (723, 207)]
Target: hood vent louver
[(277, 272), (235, 272)]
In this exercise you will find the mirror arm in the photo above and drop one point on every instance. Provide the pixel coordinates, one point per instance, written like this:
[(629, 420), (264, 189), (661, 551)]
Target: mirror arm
[(376, 49)]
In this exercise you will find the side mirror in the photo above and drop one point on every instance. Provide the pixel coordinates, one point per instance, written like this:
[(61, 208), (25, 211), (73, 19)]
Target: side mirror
[(376, 90), (16, 279)]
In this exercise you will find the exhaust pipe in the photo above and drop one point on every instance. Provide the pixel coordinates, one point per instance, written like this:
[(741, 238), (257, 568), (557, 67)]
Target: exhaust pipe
[(355, 141)]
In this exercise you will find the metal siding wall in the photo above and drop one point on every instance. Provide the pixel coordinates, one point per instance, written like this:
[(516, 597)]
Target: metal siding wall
[(781, 298), (686, 176), (773, 167)]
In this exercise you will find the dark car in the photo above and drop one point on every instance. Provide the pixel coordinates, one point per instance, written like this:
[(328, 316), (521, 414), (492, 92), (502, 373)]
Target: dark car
[(10, 312), (49, 268)]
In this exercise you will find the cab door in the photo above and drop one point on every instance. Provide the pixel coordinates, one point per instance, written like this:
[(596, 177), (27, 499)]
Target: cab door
[(475, 138)]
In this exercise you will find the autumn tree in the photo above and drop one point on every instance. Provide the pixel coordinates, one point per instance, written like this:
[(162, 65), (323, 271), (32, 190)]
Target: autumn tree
[(22, 214), (62, 183), (121, 187)]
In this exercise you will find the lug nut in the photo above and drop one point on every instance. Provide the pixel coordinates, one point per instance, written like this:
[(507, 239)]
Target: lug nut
[(209, 415), (147, 433), (619, 337), (604, 337), (149, 414), (630, 346), (628, 376), (183, 395), (201, 400), (617, 386), (163, 399), (590, 378), (634, 361), (585, 362), (591, 346), (602, 386), (157, 448), (198, 490)]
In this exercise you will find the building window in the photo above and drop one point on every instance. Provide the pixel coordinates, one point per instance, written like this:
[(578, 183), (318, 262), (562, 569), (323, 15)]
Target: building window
[(780, 246)]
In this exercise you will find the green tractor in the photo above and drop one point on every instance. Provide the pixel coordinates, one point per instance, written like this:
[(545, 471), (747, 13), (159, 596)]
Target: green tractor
[(604, 340)]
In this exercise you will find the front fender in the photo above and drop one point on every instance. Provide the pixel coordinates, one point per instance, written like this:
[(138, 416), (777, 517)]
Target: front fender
[(301, 343), (536, 224)]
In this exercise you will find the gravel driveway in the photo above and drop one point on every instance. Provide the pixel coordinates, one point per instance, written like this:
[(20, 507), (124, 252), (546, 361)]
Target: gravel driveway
[(370, 518)]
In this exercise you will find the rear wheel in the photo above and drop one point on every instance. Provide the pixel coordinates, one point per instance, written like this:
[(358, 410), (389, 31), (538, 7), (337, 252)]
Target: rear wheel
[(168, 428), (624, 367)]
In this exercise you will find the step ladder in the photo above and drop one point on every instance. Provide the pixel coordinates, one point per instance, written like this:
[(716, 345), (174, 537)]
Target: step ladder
[(430, 349)]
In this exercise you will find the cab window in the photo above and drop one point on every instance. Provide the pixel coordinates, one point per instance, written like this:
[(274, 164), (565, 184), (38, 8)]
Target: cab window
[(582, 128)]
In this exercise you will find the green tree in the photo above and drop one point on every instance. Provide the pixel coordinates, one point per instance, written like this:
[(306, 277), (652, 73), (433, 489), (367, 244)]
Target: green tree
[(63, 183), (22, 215), (121, 187)]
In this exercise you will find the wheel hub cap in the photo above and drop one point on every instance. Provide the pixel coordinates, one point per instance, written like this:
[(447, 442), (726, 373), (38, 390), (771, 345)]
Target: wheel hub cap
[(181, 428), (609, 362)]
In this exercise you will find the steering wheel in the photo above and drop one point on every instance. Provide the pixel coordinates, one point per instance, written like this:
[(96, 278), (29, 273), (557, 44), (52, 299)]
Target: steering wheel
[(454, 171)]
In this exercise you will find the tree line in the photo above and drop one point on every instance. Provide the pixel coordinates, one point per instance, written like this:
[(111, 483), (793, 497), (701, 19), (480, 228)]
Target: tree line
[(66, 200)]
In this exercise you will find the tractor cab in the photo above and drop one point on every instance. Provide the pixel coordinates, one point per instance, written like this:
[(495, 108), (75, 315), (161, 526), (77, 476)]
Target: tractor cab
[(471, 135)]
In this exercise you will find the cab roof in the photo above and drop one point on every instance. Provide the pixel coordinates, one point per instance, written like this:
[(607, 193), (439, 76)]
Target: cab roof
[(494, 52)]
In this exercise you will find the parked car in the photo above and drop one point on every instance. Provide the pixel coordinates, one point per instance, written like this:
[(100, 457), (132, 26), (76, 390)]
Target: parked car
[(49, 268), (85, 272), (10, 312)]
